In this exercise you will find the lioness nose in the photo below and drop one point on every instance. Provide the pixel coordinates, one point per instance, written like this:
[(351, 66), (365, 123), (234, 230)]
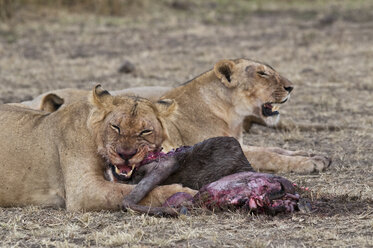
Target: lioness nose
[(289, 88), (126, 153)]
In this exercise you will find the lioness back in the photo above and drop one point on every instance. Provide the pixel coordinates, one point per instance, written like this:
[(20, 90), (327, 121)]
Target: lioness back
[(29, 171), (50, 101)]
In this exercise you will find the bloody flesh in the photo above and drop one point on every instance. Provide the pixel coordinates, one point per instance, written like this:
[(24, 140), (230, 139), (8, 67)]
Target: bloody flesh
[(260, 192)]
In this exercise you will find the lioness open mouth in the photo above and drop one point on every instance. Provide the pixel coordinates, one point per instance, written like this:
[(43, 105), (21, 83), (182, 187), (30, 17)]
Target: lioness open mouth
[(271, 109), (124, 172)]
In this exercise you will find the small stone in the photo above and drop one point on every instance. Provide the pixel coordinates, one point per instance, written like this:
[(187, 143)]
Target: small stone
[(304, 205), (184, 211), (181, 5), (126, 67)]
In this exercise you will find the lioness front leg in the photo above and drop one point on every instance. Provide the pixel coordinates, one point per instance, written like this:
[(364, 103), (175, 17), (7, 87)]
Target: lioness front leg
[(279, 160), (291, 153), (86, 189), (102, 194)]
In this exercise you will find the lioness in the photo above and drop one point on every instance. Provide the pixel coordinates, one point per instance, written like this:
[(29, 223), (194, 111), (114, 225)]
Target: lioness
[(58, 159), (216, 103)]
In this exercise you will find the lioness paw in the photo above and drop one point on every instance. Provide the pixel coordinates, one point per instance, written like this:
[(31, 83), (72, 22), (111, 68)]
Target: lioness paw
[(314, 164), (321, 162)]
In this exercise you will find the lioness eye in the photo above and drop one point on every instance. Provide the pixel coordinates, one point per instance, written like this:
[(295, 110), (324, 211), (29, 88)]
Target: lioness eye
[(263, 73), (115, 127), (145, 132)]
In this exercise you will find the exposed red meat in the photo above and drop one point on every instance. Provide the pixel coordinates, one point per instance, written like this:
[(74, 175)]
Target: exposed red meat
[(259, 192)]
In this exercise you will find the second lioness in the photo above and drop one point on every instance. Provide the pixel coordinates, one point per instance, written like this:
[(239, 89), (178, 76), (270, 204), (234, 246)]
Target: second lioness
[(216, 104)]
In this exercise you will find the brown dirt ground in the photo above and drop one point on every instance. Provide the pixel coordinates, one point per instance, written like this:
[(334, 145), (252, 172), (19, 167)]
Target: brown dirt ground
[(326, 49)]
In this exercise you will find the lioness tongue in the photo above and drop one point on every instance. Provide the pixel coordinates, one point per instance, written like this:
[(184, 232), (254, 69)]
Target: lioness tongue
[(268, 105)]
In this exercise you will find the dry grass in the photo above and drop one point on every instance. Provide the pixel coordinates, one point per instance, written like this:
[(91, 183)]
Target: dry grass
[(325, 49)]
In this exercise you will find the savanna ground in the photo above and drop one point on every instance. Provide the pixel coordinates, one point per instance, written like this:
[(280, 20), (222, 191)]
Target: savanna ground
[(324, 47)]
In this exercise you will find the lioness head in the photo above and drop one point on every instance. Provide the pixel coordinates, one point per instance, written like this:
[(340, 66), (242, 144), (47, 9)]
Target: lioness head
[(257, 89), (126, 129)]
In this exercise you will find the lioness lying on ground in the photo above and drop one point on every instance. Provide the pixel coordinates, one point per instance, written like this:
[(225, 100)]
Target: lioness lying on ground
[(58, 159), (216, 104)]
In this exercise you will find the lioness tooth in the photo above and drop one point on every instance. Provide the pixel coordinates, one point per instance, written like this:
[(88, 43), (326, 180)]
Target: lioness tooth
[(275, 108), (117, 170), (130, 173)]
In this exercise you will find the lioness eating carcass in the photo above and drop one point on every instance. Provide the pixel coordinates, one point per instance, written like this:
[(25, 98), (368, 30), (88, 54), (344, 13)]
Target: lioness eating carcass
[(58, 159), (64, 167)]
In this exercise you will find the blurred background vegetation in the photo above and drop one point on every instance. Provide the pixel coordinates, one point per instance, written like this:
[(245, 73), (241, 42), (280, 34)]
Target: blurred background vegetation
[(11, 8)]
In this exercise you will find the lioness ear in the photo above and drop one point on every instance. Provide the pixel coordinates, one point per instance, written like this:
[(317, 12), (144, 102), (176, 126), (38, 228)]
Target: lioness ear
[(51, 102), (101, 97), (223, 70), (165, 107)]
